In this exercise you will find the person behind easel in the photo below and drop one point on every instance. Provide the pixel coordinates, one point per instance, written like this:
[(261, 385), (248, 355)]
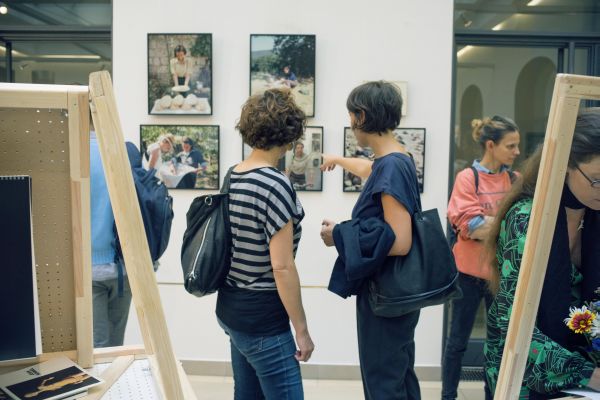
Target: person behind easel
[(553, 361), (110, 303)]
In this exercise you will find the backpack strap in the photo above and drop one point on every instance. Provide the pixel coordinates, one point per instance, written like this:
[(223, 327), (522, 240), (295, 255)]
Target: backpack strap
[(511, 174), (225, 187), (476, 175)]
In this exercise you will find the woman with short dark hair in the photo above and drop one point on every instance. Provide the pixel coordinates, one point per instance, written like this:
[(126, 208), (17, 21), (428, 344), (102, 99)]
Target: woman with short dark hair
[(391, 194), (261, 294)]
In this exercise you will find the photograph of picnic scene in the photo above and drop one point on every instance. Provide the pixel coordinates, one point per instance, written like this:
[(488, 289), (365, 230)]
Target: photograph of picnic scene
[(184, 156)]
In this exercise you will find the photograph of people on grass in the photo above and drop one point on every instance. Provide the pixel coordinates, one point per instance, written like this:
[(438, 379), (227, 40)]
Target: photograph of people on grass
[(183, 156), (284, 61), (180, 74)]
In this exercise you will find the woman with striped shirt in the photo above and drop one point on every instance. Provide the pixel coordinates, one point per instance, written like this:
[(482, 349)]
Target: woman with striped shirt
[(262, 291)]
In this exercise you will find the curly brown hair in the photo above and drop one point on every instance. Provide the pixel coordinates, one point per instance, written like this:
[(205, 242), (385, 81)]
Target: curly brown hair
[(271, 119)]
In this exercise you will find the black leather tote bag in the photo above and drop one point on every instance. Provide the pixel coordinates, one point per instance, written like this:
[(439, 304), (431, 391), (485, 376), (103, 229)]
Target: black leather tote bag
[(206, 249), (426, 276)]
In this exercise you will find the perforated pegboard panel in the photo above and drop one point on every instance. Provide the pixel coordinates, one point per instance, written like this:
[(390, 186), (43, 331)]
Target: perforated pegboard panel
[(136, 383), (35, 142)]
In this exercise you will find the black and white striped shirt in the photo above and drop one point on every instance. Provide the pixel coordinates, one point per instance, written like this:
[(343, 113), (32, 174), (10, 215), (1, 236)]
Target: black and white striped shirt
[(261, 202)]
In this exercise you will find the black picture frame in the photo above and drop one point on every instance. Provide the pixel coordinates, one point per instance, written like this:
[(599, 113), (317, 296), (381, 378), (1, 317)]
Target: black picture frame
[(268, 61), (312, 139), (198, 100), (413, 140), (176, 169)]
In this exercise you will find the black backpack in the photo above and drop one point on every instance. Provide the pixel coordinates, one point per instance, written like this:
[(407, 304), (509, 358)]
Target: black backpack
[(206, 248), (452, 234), (156, 205)]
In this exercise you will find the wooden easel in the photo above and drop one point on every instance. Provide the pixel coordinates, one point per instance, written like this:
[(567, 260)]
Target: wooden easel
[(569, 90), (50, 125)]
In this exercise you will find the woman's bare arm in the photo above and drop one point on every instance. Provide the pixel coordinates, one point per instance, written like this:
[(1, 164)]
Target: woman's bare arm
[(358, 166), (281, 249)]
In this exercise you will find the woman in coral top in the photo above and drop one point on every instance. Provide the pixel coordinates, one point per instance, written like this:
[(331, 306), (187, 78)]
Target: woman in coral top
[(476, 195)]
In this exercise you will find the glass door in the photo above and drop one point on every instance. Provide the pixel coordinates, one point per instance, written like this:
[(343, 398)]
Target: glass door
[(516, 82)]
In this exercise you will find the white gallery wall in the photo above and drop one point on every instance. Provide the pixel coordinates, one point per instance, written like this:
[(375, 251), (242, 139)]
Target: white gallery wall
[(407, 40)]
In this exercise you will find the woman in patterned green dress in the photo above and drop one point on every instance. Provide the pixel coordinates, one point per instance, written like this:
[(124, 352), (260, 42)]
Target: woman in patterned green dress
[(553, 364)]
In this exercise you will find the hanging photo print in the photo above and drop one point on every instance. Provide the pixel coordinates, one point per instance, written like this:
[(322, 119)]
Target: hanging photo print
[(413, 140), (302, 163), (284, 61), (180, 74), (184, 156)]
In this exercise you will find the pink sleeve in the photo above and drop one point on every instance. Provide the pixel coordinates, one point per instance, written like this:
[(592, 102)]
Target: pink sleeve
[(464, 203)]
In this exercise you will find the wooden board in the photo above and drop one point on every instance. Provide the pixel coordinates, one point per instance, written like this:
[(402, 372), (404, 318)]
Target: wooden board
[(43, 134)]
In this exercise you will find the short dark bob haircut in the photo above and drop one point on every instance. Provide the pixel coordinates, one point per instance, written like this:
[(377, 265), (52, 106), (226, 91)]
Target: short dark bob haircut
[(271, 119), (376, 105), (178, 49)]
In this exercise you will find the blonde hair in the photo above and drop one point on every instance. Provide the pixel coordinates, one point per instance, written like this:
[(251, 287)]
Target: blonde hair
[(169, 137)]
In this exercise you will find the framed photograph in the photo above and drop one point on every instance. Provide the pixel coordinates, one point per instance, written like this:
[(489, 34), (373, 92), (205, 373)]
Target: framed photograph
[(353, 183), (413, 139), (180, 73), (184, 156), (284, 61), (302, 163)]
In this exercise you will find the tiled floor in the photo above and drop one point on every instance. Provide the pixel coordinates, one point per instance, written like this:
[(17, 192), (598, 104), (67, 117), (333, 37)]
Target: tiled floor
[(220, 388)]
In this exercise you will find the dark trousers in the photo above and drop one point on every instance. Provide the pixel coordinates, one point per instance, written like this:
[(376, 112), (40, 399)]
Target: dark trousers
[(463, 314), (386, 349), (110, 312)]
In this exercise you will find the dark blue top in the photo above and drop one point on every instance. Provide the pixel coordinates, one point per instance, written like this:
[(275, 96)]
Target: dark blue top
[(392, 174), (290, 76), (193, 159), (362, 245)]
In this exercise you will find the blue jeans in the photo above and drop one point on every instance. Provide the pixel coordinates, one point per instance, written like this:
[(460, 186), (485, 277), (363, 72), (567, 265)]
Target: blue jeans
[(463, 315), (110, 312), (264, 367)]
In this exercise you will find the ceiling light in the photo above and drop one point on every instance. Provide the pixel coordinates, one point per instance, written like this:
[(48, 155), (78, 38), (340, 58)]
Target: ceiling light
[(498, 27), (465, 21), (71, 56), (534, 3), (3, 8), (463, 51)]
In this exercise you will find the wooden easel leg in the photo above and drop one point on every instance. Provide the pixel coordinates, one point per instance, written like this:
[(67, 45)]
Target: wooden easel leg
[(110, 376), (144, 288)]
